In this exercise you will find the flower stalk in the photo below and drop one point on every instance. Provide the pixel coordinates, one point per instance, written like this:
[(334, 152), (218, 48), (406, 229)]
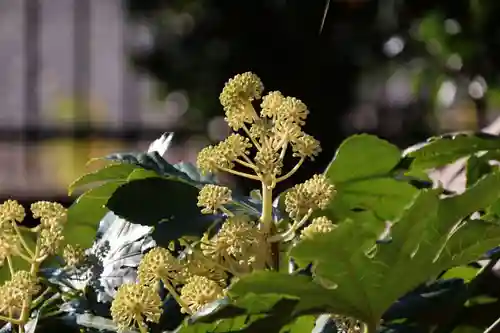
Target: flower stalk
[(242, 244)]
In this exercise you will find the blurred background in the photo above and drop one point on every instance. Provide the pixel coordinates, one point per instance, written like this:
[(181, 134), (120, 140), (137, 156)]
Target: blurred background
[(84, 78)]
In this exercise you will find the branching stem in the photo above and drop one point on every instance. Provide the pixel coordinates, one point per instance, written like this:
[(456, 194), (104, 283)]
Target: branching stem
[(291, 172), (11, 267), (290, 232), (23, 242), (255, 143), (246, 164), (176, 296), (240, 174)]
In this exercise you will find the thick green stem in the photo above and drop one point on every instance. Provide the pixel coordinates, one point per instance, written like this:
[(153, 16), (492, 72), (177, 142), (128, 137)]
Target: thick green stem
[(267, 208), (268, 225), (25, 312)]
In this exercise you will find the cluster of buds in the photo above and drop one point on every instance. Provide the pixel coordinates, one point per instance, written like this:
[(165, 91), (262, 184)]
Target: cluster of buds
[(272, 131), (50, 230), (16, 294), (206, 267)]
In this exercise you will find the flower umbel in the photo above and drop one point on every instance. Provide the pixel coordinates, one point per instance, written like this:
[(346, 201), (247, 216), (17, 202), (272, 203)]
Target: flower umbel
[(158, 264), (239, 245), (11, 211), (213, 197), (314, 193), (73, 255), (52, 217), (199, 291), (135, 304), (9, 243), (318, 225), (48, 211), (16, 291)]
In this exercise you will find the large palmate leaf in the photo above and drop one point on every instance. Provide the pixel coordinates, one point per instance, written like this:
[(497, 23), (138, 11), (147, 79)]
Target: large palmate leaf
[(150, 161), (168, 205), (250, 313), (362, 174), (112, 172), (443, 150), (85, 214), (419, 249), (362, 281)]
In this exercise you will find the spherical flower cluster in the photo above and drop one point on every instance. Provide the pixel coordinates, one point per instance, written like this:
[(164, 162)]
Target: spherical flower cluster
[(11, 211), (274, 129), (52, 217), (261, 129), (49, 212), (236, 98), (306, 146), (51, 237), (135, 303), (73, 255), (196, 264), (271, 103), (267, 159), (293, 110), (16, 291), (9, 243), (223, 155), (158, 264), (318, 225), (213, 197), (200, 291), (211, 159), (314, 193), (239, 244)]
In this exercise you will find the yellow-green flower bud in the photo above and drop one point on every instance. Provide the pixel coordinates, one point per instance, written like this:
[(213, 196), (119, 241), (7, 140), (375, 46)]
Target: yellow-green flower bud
[(135, 303)]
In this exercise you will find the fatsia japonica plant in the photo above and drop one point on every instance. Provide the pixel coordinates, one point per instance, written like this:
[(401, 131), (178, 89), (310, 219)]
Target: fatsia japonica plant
[(373, 244)]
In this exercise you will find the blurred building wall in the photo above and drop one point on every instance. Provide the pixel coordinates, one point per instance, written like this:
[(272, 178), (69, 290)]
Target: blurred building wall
[(67, 92)]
